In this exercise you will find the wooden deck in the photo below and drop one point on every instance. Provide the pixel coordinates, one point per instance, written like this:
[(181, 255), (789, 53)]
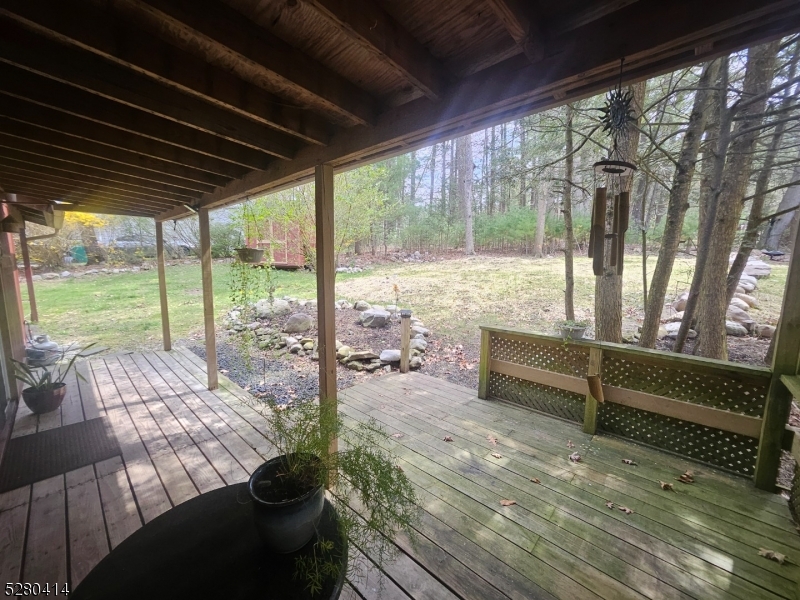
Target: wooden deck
[(559, 540)]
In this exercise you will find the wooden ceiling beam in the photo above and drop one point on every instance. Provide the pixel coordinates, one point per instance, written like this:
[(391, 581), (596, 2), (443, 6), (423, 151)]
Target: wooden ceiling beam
[(80, 203), (523, 23), (96, 75), (654, 36), (229, 40), (102, 210), (576, 19), (80, 149), (59, 183), (41, 91), (115, 181), (48, 118), (34, 152), (373, 28), (102, 33)]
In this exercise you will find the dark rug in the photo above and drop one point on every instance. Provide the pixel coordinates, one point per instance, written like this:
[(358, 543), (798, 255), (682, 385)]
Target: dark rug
[(37, 456)]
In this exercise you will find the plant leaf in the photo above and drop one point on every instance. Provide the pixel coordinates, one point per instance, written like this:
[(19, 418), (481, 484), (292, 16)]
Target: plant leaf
[(507, 502), (687, 477), (609, 504), (575, 457), (397, 436), (628, 461), (570, 444), (772, 555), (535, 480), (497, 455), (448, 438), (667, 487)]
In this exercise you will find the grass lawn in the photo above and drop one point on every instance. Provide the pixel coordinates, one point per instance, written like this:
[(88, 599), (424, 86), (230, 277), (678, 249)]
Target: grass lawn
[(453, 296)]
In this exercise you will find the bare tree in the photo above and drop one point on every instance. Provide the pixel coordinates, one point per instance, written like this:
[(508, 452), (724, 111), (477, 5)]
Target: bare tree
[(465, 173), (569, 235)]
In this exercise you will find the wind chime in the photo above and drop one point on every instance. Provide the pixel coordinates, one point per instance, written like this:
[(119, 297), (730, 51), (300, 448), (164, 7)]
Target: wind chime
[(612, 183)]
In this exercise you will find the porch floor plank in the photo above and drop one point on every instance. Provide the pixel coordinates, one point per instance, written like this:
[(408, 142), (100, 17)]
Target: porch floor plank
[(559, 541)]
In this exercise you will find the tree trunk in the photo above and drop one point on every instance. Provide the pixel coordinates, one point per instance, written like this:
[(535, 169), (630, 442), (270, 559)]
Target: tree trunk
[(777, 225), (712, 342), (444, 179), (608, 286), (433, 176), (677, 206), (465, 166), (541, 214), (762, 185), (569, 235)]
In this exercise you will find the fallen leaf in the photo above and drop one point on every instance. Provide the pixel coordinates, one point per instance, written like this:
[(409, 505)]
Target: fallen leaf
[(575, 457), (447, 438), (628, 461), (492, 439), (667, 487), (399, 468), (626, 510), (570, 444), (397, 435), (772, 555), (609, 504), (687, 477), (535, 480), (507, 502), (497, 455)]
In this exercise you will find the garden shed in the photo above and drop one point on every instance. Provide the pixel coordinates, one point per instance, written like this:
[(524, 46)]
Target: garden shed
[(167, 108)]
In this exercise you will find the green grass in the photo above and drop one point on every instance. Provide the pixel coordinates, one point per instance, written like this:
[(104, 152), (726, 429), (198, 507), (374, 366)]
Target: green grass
[(454, 297)]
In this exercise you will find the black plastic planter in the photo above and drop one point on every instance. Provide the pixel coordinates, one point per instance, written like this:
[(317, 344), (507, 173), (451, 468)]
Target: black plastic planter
[(250, 255), (288, 525)]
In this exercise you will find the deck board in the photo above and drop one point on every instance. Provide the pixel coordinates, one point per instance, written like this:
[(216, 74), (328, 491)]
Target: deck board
[(559, 541)]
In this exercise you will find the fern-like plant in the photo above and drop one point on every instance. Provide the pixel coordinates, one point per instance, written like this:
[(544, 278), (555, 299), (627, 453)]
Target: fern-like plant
[(372, 496), (47, 377)]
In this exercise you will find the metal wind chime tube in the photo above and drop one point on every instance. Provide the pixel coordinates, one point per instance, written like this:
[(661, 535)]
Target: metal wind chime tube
[(613, 179)]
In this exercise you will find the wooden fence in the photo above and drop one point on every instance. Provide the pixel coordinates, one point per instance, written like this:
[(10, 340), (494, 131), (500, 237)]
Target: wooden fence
[(703, 409)]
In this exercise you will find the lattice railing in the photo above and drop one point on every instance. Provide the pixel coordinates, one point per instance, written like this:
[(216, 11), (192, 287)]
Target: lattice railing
[(703, 409)]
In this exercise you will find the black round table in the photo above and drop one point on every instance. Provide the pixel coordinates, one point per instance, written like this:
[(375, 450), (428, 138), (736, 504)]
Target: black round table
[(206, 547)]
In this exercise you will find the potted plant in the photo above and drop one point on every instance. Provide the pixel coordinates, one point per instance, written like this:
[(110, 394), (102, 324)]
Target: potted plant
[(288, 491), (572, 330), (46, 388), (252, 231)]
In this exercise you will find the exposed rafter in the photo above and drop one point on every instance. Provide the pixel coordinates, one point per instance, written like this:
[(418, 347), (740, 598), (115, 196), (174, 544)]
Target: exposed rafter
[(522, 22), (106, 35), (376, 30), (227, 39)]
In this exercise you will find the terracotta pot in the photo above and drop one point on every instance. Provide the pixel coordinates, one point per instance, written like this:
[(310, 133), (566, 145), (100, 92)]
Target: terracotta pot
[(44, 401), (250, 255), (285, 526)]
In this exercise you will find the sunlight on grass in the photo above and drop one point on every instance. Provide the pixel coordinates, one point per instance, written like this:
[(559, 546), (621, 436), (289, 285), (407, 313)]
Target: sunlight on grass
[(454, 297)]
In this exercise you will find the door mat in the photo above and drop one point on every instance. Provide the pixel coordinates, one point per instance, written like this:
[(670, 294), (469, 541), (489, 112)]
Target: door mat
[(38, 456)]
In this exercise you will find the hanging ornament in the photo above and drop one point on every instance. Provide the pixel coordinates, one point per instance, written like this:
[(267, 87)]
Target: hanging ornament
[(613, 178)]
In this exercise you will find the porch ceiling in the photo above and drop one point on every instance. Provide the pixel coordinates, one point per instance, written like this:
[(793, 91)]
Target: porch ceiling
[(145, 107)]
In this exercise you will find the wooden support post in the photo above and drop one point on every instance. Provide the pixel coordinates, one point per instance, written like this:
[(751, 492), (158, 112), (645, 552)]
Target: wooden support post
[(26, 259), (405, 340), (326, 273), (483, 369), (208, 300), (590, 415), (785, 361), (162, 286)]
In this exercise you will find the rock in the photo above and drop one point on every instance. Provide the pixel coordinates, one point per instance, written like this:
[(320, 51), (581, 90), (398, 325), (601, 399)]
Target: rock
[(362, 305), (377, 307), (266, 309), (265, 345), (297, 323), (295, 348), (672, 331), (343, 304), (748, 278), (290, 341), (36, 278), (302, 303), (280, 353), (312, 303), (308, 346), (680, 303), (750, 300), (415, 352), (343, 352), (78, 274), (253, 326), (417, 344), (66, 274), (415, 362), (390, 356), (355, 365), (740, 289), (305, 340), (387, 369), (677, 317), (419, 329), (738, 315), (418, 336), (733, 328), (338, 345), (739, 303), (764, 331), (392, 308), (374, 318), (362, 355), (662, 332), (747, 286), (373, 367), (315, 356)]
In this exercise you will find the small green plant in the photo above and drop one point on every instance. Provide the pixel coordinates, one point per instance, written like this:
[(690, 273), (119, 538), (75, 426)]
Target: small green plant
[(570, 323), (249, 283), (47, 377), (372, 496)]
